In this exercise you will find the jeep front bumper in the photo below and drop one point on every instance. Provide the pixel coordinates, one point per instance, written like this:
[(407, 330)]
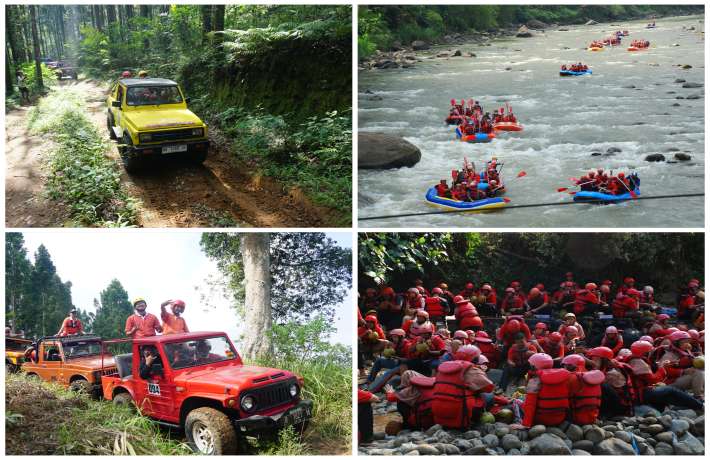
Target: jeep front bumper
[(169, 148), (296, 414)]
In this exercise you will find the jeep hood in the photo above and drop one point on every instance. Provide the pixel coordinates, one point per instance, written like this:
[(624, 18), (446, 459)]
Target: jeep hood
[(92, 362), (234, 376), (148, 119)]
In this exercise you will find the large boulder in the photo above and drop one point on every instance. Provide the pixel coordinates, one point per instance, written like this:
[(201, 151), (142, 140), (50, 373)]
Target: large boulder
[(420, 45), (523, 32), (692, 85), (688, 445), (614, 446), (655, 157), (385, 151), (548, 444), (535, 24)]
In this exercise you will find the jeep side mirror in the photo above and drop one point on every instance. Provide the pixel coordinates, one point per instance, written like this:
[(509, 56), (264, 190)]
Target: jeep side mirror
[(116, 104), (187, 100)]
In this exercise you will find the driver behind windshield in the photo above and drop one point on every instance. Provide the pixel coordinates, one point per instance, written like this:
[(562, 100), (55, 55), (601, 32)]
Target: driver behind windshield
[(203, 355), (149, 361)]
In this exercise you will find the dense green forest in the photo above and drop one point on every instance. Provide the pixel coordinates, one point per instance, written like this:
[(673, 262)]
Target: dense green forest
[(663, 260), (276, 80), (381, 26)]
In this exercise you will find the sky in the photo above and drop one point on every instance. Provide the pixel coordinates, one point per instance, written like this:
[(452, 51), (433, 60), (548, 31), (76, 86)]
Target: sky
[(157, 266)]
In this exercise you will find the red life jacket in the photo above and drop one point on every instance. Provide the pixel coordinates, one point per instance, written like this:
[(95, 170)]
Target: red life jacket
[(553, 397), (434, 307), (629, 392), (454, 403), (421, 415), (467, 311), (586, 401), (489, 351), (685, 360)]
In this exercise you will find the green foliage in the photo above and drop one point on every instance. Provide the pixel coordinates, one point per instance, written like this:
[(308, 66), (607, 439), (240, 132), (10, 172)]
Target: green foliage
[(299, 343), (111, 312), (80, 173), (49, 78)]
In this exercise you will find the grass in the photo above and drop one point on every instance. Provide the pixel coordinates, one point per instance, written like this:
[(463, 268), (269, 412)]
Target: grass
[(46, 419), (81, 175), (329, 386)]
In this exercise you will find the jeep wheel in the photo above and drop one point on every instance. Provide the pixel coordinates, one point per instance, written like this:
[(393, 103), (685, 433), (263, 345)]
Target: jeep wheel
[(130, 161), (210, 432), (124, 399), (109, 125), (81, 386), (198, 158)]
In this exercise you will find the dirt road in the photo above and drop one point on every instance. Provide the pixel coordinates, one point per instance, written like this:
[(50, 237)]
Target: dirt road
[(172, 194)]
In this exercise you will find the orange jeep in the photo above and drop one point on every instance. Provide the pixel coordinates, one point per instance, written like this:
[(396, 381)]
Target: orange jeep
[(196, 381), (76, 361), (15, 348)]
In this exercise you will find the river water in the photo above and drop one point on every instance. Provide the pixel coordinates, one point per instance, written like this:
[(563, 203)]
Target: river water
[(565, 120)]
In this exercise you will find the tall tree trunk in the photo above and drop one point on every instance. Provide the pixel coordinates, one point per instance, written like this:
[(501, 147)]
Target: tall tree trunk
[(110, 14), (257, 299), (206, 11), (61, 33), (35, 40), (9, 72), (144, 11), (98, 10), (218, 22), (12, 36)]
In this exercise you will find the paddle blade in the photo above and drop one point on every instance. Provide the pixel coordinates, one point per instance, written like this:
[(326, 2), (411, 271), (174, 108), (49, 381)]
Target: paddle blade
[(572, 193), (507, 200), (633, 195), (454, 175), (562, 189), (522, 174)]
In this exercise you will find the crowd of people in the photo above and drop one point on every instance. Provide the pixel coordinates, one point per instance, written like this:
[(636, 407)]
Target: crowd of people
[(465, 182), (641, 44), (601, 181), (579, 67), (471, 119), (580, 352)]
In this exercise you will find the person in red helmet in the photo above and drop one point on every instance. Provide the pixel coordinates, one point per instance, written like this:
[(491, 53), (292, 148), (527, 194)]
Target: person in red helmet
[(442, 189), (488, 348), (570, 320), (419, 284), (463, 310), (516, 364), (458, 390), (547, 393), (688, 302), (537, 302), (659, 327), (489, 301), (540, 331), (414, 300), (679, 368), (645, 380), (420, 323), (605, 296), (512, 303), (612, 339), (626, 303), (370, 301), (586, 301), (617, 389), (436, 306), (629, 283), (390, 309), (468, 290), (553, 345), (585, 390), (126, 74), (571, 340), (563, 298), (646, 299), (569, 278), (413, 397), (511, 326), (371, 336), (398, 353), (173, 323)]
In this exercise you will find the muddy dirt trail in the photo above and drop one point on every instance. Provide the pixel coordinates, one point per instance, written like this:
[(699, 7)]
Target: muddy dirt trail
[(171, 194)]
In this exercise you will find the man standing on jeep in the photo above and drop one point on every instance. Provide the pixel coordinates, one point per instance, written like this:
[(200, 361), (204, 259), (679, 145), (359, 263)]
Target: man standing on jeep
[(173, 323), (71, 325), (142, 323)]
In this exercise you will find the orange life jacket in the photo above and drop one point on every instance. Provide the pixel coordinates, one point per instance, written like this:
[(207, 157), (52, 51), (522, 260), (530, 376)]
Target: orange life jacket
[(454, 403), (553, 397), (586, 401), (434, 307)]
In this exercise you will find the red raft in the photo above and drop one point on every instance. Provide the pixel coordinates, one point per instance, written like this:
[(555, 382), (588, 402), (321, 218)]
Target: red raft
[(507, 126)]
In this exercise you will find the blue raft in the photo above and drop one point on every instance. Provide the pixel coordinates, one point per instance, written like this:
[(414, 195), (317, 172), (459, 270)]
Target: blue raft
[(570, 73), (605, 198), (451, 204), (474, 138)]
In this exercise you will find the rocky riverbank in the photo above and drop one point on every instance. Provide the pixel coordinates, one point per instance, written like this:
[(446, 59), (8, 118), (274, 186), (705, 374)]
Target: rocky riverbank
[(649, 432)]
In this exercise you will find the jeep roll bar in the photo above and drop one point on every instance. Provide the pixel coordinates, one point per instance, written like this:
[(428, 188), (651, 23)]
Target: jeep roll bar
[(109, 342)]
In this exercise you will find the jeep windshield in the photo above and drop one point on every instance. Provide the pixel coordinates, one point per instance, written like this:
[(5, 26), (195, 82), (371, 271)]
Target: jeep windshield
[(81, 349), (152, 95), (192, 353)]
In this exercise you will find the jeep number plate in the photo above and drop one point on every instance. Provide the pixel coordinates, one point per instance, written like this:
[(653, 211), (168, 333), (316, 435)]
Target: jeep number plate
[(175, 148), (298, 416)]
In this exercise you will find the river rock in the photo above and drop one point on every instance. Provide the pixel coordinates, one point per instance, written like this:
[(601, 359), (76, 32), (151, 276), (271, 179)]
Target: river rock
[(594, 434), (556, 431), (472, 434), (420, 45), (574, 433), (583, 444), (433, 430), (447, 449), (443, 437), (412, 452), (536, 431), (693, 96), (407, 446), (679, 427), (692, 85), (699, 423), (679, 80), (613, 150), (663, 448), (596, 154), (463, 445), (563, 29), (535, 24), (510, 441), (655, 157), (654, 429), (680, 97), (591, 22), (427, 449), (614, 446), (396, 46), (623, 435), (686, 66), (514, 452), (490, 440), (523, 32), (665, 436), (688, 445), (483, 450), (386, 64), (386, 151), (675, 105), (443, 54), (579, 452), (456, 53), (547, 444), (683, 157)]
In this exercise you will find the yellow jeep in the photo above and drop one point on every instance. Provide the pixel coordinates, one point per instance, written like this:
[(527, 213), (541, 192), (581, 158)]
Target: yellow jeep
[(149, 117)]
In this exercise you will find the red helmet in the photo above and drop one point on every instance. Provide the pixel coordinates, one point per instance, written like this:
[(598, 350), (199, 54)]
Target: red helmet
[(693, 284), (460, 300), (624, 354), (694, 334), (605, 288), (398, 333), (421, 289), (476, 321), (611, 330), (423, 313), (622, 175), (437, 290), (460, 335), (662, 317), (467, 353), (646, 338), (601, 352), (469, 286), (515, 284), (640, 348), (126, 74), (572, 329), (482, 360), (678, 335), (554, 337), (671, 330), (388, 291), (413, 290), (541, 361), (371, 318), (486, 287), (514, 325), (509, 290), (574, 360), (590, 286), (607, 282), (540, 286), (534, 292), (542, 326), (633, 293), (178, 303), (482, 336), (628, 279)]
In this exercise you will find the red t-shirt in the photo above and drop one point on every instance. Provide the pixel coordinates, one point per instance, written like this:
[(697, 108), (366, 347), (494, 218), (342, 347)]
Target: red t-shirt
[(147, 325), (72, 326)]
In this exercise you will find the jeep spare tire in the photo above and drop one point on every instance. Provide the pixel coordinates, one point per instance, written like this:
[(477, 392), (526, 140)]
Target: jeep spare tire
[(210, 432)]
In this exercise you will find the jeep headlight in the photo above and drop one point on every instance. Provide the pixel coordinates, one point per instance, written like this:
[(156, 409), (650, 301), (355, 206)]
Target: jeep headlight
[(145, 137), (293, 389), (198, 132), (248, 403)]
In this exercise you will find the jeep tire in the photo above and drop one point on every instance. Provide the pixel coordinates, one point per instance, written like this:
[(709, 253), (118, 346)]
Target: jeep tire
[(210, 432), (198, 158), (123, 399), (109, 125), (130, 161), (81, 386)]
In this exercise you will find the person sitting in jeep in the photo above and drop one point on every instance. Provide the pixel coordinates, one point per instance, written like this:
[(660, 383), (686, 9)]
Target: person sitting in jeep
[(71, 325), (149, 362)]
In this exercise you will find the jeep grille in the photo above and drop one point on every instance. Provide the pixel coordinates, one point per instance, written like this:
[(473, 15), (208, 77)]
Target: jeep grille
[(272, 395), (171, 135)]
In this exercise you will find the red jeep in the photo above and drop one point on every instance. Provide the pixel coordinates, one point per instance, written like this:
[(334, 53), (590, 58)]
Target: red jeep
[(197, 381)]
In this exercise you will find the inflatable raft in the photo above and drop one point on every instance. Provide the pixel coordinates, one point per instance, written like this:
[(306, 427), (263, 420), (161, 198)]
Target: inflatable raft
[(572, 73), (474, 138), (507, 126), (605, 198), (633, 48), (595, 48), (485, 204)]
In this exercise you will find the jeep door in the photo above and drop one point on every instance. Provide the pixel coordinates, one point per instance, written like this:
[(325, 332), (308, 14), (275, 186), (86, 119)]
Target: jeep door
[(156, 394), (116, 95), (50, 366)]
